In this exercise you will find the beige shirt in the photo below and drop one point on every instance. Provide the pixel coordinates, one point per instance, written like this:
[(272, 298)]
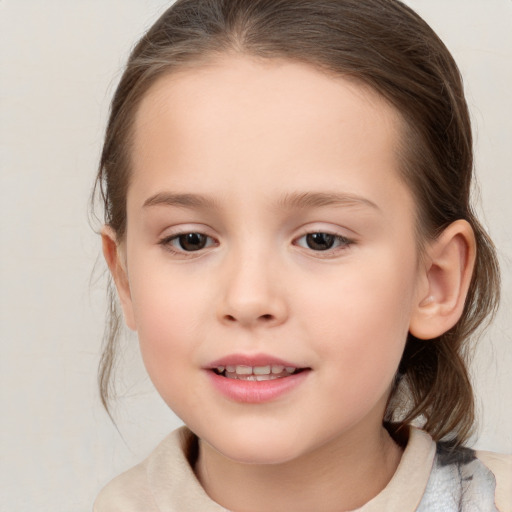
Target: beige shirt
[(428, 478)]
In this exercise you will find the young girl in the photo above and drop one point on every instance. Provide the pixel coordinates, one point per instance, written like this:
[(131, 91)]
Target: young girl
[(287, 222)]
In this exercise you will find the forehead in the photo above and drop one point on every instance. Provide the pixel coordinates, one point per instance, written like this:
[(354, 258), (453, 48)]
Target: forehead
[(238, 117)]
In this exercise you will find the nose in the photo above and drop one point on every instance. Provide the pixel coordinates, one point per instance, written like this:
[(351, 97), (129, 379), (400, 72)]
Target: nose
[(252, 293)]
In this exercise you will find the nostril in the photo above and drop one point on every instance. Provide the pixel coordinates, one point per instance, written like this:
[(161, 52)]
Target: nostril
[(264, 318)]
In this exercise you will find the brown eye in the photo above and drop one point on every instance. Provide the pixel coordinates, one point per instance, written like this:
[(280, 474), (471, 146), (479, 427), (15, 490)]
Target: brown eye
[(191, 241), (323, 242), (187, 242), (320, 241)]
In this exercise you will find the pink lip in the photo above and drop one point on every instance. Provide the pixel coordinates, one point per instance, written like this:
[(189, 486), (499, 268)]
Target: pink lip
[(249, 360), (254, 392)]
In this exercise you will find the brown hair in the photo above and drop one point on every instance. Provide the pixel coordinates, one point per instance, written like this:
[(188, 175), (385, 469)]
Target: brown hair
[(382, 44)]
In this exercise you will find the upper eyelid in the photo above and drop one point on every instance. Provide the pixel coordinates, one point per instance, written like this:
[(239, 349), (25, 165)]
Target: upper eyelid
[(174, 236), (335, 231), (348, 240), (175, 231), (302, 232), (168, 239)]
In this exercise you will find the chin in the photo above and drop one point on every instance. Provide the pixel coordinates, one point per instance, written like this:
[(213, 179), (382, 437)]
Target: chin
[(258, 455), (251, 448)]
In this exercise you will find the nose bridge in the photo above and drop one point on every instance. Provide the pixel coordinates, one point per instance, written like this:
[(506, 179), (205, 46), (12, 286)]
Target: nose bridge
[(251, 288)]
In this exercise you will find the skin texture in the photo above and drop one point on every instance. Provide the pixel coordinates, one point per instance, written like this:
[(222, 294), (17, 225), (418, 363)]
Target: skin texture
[(249, 136)]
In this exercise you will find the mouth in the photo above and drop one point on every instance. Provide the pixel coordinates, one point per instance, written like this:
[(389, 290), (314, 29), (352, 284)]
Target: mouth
[(256, 378), (256, 373)]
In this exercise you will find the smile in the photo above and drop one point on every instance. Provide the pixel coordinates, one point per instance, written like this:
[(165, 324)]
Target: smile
[(256, 373), (256, 378)]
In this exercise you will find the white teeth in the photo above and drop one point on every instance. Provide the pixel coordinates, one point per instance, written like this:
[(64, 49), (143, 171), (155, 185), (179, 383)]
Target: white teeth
[(261, 370), (266, 377), (256, 373), (243, 370)]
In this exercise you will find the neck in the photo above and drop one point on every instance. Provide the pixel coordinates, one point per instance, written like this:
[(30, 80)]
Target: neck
[(344, 474)]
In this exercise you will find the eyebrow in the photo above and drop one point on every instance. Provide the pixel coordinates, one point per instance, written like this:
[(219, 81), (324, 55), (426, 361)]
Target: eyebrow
[(184, 200), (319, 199), (294, 200)]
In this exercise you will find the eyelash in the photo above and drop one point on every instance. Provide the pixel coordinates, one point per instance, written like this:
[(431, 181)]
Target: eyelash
[(167, 241), (343, 244)]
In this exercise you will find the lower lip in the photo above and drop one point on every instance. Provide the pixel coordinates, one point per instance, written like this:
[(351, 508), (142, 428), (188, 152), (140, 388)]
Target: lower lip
[(255, 392)]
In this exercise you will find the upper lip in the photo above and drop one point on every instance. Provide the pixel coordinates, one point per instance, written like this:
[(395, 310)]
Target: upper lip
[(250, 360)]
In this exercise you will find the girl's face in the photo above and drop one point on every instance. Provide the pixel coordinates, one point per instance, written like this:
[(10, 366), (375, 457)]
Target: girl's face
[(268, 228)]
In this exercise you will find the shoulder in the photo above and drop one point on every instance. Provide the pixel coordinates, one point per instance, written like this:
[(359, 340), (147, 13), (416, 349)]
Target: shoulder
[(463, 479), (133, 490), (164, 482), (500, 466), (128, 492)]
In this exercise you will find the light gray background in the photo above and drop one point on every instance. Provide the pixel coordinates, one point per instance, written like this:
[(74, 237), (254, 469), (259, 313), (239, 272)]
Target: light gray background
[(59, 62)]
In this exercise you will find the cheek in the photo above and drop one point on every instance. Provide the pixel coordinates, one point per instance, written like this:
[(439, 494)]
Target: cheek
[(360, 321), (169, 322)]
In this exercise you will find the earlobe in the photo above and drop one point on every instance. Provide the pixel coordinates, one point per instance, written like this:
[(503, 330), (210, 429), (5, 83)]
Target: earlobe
[(117, 266), (448, 267)]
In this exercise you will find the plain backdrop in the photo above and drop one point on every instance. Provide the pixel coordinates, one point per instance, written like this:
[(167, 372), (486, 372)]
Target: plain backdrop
[(59, 64)]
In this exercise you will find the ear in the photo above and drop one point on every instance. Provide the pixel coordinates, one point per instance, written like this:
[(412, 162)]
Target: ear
[(116, 262), (446, 275)]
